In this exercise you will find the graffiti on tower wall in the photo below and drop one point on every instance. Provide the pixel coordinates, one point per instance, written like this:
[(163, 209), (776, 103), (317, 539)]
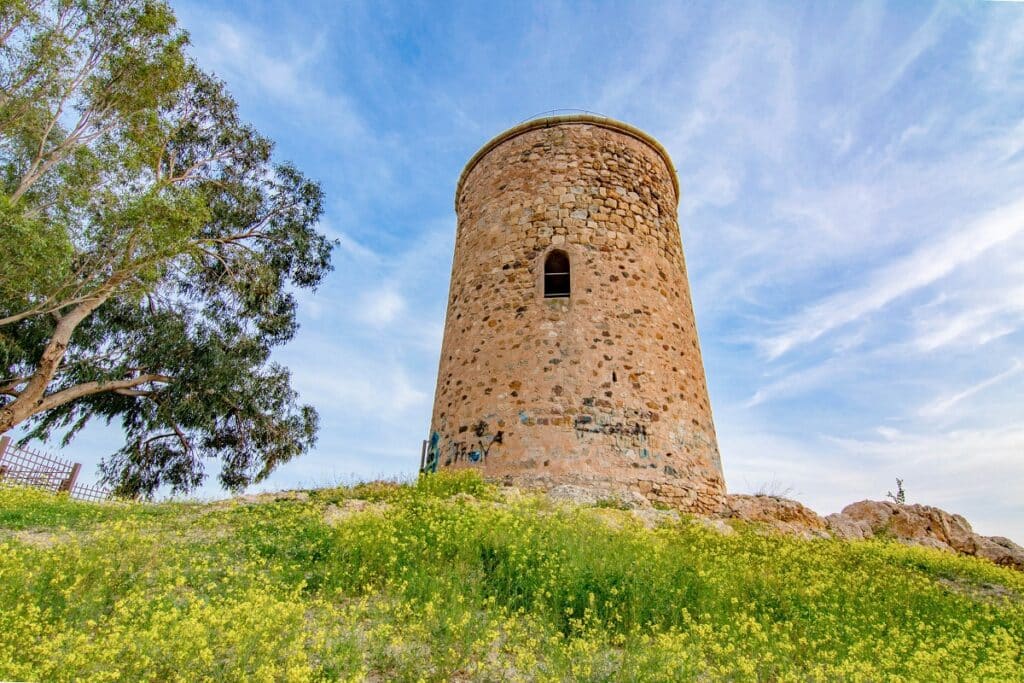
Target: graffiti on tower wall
[(474, 450), (433, 453)]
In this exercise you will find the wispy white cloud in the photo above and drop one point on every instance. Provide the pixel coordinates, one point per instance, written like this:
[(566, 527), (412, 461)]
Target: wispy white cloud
[(279, 70), (350, 379), (347, 244), (799, 381), (898, 278), (999, 54), (924, 37), (355, 249), (753, 66), (944, 404), (717, 185), (953, 320), (380, 307), (354, 390)]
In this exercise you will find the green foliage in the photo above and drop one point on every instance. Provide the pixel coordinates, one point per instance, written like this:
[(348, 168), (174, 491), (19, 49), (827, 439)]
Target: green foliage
[(37, 255), (427, 583), (430, 485), (447, 484), (31, 508), (900, 497), (611, 504), (27, 507), (152, 247)]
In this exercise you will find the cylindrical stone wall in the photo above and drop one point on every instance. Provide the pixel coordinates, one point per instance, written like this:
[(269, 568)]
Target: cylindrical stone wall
[(604, 388)]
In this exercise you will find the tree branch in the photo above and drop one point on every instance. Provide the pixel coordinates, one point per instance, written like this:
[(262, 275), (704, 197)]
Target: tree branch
[(133, 392), (10, 388), (31, 400), (89, 388)]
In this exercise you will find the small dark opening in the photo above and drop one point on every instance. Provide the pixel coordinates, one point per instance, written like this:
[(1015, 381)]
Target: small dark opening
[(556, 275)]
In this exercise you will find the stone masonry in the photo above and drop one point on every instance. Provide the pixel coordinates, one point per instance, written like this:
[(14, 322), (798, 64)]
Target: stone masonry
[(604, 388)]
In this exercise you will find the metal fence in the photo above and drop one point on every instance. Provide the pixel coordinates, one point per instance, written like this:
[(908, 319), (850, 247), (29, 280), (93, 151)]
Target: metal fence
[(27, 467)]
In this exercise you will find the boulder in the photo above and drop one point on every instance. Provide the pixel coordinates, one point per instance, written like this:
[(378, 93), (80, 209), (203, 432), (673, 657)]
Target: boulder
[(1000, 550), (782, 514), (337, 514), (587, 495), (926, 526), (653, 518), (927, 542), (914, 523), (847, 528), (719, 526)]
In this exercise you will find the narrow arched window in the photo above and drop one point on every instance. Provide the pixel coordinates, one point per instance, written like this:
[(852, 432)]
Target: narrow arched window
[(556, 275)]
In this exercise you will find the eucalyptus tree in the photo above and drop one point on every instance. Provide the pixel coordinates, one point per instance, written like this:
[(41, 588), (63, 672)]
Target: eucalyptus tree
[(149, 248)]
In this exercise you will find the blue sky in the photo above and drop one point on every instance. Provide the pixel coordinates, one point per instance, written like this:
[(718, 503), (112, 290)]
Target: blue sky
[(852, 216)]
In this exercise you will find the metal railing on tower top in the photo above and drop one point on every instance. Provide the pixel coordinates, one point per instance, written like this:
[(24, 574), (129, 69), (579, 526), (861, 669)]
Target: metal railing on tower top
[(564, 112)]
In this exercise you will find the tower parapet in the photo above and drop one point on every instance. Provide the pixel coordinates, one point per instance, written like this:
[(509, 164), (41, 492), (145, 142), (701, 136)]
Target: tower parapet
[(570, 352)]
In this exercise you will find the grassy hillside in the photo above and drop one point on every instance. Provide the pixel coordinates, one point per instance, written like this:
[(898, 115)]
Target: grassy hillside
[(446, 580)]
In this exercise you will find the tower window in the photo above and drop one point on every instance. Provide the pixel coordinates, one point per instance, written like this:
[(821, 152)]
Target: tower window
[(556, 275)]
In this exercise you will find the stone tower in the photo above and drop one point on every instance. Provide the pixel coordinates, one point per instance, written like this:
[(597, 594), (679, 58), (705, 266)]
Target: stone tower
[(570, 352)]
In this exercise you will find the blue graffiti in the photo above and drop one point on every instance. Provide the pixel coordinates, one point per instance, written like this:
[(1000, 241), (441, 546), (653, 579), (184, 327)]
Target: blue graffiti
[(433, 453), (460, 451)]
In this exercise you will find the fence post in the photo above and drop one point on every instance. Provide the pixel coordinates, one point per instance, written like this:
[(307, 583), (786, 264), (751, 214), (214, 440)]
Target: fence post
[(423, 455), (69, 483), (5, 441)]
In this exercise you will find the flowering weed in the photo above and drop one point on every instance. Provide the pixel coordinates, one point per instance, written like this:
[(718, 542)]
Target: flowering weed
[(440, 579)]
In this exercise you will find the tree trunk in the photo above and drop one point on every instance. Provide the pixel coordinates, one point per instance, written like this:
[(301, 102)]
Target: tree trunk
[(23, 407), (30, 399), (7, 419)]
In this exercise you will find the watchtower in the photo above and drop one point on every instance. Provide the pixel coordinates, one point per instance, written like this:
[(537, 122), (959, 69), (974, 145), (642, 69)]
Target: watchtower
[(570, 351)]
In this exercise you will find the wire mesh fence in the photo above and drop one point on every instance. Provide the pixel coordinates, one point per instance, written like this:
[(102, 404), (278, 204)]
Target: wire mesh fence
[(91, 494), (23, 466)]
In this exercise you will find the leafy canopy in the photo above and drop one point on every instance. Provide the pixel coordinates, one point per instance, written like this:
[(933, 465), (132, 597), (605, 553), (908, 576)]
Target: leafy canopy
[(150, 248)]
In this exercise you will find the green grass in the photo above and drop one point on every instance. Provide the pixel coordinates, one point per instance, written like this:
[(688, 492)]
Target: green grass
[(440, 580), (26, 508)]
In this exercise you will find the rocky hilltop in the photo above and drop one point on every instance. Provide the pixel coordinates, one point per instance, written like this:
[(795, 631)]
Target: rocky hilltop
[(922, 525), (449, 578)]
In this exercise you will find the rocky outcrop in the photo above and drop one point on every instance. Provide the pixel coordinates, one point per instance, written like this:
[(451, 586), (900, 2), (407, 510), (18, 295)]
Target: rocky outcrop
[(587, 495), (913, 524), (719, 526), (922, 525), (848, 528), (782, 514), (1000, 550)]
